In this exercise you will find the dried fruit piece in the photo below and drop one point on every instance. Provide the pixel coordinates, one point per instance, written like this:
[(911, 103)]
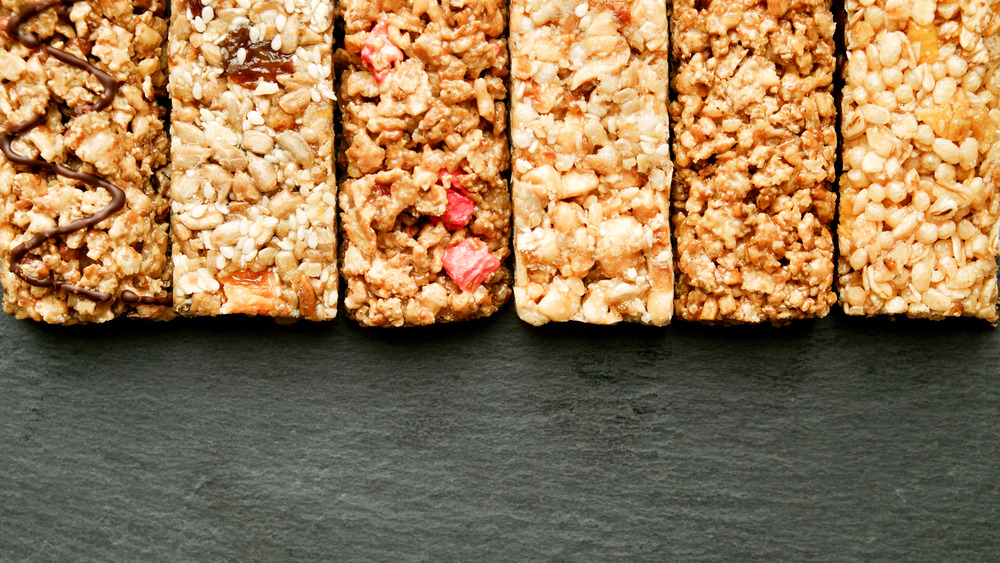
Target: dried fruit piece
[(926, 37), (459, 210), (378, 53), (469, 263), (251, 293), (247, 62)]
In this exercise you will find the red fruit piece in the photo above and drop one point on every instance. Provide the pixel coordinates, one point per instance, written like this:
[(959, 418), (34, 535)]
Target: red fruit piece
[(458, 212), (378, 53), (451, 180), (469, 263)]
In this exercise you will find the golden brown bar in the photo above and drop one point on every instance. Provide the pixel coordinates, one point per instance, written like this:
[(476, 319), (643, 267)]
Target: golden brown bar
[(424, 204), (83, 207), (755, 143)]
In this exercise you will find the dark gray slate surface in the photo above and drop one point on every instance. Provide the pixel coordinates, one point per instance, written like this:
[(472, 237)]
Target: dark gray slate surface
[(236, 439)]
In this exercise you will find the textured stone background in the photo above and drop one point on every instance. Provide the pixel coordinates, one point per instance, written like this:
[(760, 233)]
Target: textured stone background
[(236, 439)]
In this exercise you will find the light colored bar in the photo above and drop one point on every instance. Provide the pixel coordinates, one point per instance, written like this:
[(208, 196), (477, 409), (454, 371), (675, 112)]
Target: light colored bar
[(254, 195), (919, 196), (592, 168)]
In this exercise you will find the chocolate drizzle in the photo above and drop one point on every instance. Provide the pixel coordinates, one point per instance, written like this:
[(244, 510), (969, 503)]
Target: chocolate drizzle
[(21, 251)]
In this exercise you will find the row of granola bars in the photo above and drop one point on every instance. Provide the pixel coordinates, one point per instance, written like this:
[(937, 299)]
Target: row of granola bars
[(104, 215)]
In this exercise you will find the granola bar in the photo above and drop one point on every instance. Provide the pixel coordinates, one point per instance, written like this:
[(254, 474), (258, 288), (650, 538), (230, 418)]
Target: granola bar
[(755, 142), (592, 170), (425, 209), (254, 196), (83, 209), (919, 207)]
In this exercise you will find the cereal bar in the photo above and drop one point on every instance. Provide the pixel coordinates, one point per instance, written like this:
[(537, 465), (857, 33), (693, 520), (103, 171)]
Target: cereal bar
[(253, 199), (83, 206), (755, 142), (425, 209), (919, 207), (592, 170)]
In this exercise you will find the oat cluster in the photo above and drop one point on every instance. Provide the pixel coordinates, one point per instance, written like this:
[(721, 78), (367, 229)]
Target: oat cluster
[(253, 198), (918, 230), (591, 170), (425, 206), (124, 143), (755, 146)]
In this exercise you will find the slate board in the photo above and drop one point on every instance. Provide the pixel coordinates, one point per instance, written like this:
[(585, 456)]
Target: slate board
[(237, 439)]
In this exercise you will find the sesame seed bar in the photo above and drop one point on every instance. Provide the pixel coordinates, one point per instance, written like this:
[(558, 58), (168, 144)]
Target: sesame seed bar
[(83, 206), (918, 231), (755, 142), (425, 210), (253, 199), (591, 179)]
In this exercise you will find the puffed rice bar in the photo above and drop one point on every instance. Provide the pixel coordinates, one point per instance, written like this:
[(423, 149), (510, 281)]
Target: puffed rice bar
[(755, 143), (592, 170), (254, 196), (83, 206), (425, 208), (919, 204)]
